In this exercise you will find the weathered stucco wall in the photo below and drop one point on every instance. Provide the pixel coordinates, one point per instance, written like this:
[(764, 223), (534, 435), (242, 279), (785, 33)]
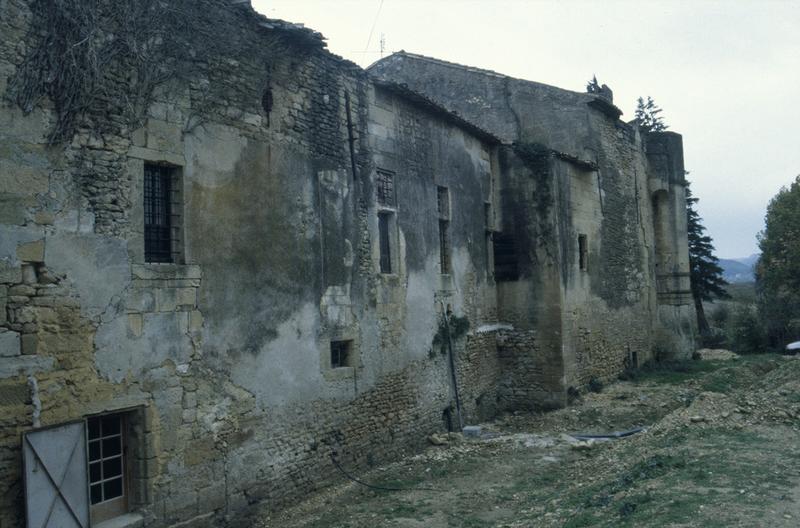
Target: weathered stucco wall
[(221, 360), (600, 182)]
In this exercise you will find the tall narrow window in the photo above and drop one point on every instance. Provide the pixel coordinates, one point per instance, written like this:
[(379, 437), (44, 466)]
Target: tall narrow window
[(444, 247), (443, 208), (384, 188), (384, 242), (443, 202), (583, 252), (160, 213), (506, 262)]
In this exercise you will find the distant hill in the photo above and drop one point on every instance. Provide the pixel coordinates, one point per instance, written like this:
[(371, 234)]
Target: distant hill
[(739, 269), (750, 261)]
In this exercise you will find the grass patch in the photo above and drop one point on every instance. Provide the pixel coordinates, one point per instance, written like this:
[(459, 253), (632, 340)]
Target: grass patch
[(742, 375), (670, 372), (679, 483), (724, 375)]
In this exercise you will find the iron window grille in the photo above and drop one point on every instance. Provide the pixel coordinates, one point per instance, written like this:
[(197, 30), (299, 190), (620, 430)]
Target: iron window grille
[(444, 246), (384, 188), (160, 225)]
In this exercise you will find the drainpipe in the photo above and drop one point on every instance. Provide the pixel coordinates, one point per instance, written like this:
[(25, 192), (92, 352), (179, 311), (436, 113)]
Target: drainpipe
[(453, 378)]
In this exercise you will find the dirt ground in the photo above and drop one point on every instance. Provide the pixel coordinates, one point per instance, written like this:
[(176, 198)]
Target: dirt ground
[(721, 448)]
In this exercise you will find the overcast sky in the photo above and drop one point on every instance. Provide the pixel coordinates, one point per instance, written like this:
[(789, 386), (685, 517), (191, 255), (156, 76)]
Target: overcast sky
[(726, 73)]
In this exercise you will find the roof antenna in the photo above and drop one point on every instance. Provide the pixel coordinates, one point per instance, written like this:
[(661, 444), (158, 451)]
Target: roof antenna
[(380, 6)]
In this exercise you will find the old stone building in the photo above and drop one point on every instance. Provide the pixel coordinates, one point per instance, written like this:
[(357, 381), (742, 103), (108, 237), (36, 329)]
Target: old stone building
[(234, 259)]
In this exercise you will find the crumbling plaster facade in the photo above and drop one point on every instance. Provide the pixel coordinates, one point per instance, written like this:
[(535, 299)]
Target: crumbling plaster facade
[(221, 359), (623, 191)]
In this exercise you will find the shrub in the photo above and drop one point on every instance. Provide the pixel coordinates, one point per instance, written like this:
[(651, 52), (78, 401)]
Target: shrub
[(714, 338), (746, 333), (595, 385), (720, 315)]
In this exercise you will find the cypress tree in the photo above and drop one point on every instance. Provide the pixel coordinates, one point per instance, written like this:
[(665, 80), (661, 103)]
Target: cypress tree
[(647, 116), (705, 272)]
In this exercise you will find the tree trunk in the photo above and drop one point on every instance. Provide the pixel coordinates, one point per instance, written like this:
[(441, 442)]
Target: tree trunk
[(702, 322)]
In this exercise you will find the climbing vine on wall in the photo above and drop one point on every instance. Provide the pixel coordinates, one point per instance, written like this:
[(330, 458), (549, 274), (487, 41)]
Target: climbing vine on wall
[(100, 61), (536, 158), (459, 325)]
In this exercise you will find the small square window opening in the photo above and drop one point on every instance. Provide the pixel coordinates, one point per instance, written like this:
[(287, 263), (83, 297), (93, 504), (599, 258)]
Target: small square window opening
[(341, 352)]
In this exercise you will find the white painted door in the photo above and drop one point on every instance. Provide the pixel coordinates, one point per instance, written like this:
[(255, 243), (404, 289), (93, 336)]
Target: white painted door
[(56, 483)]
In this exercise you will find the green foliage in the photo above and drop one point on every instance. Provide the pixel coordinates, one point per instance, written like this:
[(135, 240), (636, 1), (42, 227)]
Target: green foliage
[(720, 315), (706, 274), (459, 326), (595, 385), (714, 337), (647, 117), (536, 157), (99, 62), (593, 86), (742, 292), (746, 335), (668, 372), (778, 269)]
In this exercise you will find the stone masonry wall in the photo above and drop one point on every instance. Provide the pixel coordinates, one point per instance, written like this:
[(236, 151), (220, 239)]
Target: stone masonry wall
[(220, 361), (523, 375), (602, 182)]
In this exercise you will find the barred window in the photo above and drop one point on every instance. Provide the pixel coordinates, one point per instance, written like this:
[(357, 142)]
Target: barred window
[(444, 246), (443, 202), (161, 214), (384, 188)]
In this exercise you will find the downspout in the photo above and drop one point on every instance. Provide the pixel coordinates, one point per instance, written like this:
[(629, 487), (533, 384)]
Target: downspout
[(453, 377)]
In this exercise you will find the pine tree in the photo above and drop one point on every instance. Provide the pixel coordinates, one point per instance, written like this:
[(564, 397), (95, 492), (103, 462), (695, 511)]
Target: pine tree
[(647, 116), (593, 86), (705, 272)]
